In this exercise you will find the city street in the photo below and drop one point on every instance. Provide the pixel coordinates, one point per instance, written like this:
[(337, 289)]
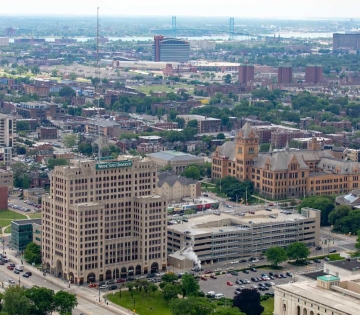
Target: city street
[(88, 299)]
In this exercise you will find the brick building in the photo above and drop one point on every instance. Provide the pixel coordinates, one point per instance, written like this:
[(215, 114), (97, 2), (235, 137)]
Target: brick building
[(344, 125), (286, 173), (285, 74), (246, 74), (47, 133), (313, 74), (205, 124)]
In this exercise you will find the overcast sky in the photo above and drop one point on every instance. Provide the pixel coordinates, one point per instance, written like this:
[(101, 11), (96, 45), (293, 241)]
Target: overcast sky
[(230, 8)]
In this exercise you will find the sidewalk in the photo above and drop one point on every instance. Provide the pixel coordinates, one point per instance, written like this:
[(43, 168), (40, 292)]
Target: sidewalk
[(80, 291)]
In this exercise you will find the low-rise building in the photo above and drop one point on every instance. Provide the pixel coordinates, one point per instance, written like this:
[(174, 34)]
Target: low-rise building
[(177, 160), (47, 133), (34, 194), (205, 124), (22, 233), (174, 187), (244, 233), (7, 179)]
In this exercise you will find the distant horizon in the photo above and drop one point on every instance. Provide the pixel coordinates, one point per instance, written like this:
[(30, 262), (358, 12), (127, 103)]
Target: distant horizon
[(256, 9)]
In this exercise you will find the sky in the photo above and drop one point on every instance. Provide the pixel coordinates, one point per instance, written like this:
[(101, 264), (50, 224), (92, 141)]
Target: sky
[(230, 8)]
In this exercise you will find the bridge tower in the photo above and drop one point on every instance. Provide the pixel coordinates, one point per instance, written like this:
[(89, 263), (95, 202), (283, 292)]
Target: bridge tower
[(231, 28), (173, 24)]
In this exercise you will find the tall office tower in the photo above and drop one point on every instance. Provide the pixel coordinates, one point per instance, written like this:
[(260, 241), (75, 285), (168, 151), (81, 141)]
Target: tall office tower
[(246, 74), (7, 137), (170, 49), (285, 74), (313, 74), (102, 220)]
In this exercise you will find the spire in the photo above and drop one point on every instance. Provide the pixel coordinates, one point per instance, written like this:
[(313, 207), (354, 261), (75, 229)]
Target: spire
[(270, 150), (287, 145)]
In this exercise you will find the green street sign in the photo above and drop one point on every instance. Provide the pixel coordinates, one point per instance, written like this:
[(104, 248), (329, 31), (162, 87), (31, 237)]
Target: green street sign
[(117, 164)]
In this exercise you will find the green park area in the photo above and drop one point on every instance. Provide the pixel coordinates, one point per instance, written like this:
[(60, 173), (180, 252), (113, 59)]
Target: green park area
[(6, 216)]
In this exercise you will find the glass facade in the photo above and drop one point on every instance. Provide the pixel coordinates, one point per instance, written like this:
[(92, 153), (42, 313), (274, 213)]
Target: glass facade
[(21, 235)]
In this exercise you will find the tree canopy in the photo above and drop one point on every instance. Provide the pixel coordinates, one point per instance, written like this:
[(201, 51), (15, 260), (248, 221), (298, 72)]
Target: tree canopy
[(276, 255), (69, 140), (55, 162), (324, 203), (33, 253), (191, 172), (298, 251), (248, 301), (235, 189), (189, 285)]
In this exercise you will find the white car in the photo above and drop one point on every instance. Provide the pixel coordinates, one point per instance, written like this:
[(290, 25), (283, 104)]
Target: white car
[(159, 274), (272, 283), (234, 262), (246, 280), (11, 281), (217, 269), (230, 268)]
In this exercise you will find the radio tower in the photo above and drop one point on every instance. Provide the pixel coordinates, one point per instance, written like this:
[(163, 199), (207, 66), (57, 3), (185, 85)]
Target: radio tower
[(173, 24), (231, 28), (97, 80)]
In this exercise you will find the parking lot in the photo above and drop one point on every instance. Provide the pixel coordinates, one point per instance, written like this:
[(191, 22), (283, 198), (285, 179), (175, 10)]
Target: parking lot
[(220, 285)]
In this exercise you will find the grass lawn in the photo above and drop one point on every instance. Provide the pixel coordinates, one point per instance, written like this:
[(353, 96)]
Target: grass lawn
[(153, 305), (8, 229), (268, 306), (36, 215), (6, 216)]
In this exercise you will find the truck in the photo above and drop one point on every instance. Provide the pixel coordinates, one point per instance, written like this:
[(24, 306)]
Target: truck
[(19, 267)]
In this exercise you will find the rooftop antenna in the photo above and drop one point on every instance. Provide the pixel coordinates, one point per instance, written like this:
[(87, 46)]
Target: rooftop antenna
[(97, 81)]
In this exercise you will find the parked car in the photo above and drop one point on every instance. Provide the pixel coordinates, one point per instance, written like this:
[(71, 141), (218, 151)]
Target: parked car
[(213, 277), (317, 261), (254, 279), (91, 285), (246, 271), (203, 278), (28, 273), (253, 269), (289, 274), (318, 248), (229, 283), (332, 251), (208, 271), (110, 282), (234, 273), (24, 275), (150, 275), (234, 262), (10, 267), (121, 280), (113, 287)]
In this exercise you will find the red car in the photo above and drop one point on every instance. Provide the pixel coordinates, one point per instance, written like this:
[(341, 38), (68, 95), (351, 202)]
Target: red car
[(10, 267), (92, 285), (213, 277), (229, 283), (208, 271), (203, 278), (121, 280)]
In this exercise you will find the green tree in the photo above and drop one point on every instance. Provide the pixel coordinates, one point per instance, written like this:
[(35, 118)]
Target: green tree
[(338, 213), (169, 278), (66, 91), (264, 147), (276, 255), (227, 78), (298, 251), (55, 162), (15, 301), (220, 136), (191, 172), (192, 124), (25, 182), (170, 291), (33, 253), (190, 285), (35, 69), (324, 203), (357, 244), (227, 311), (22, 125), (54, 73), (152, 288), (72, 76), (248, 301), (64, 302), (69, 140), (42, 300)]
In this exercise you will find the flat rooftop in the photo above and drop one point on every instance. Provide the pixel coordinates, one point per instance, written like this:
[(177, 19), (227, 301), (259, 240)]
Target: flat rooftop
[(345, 304), (27, 221), (211, 223), (351, 265)]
